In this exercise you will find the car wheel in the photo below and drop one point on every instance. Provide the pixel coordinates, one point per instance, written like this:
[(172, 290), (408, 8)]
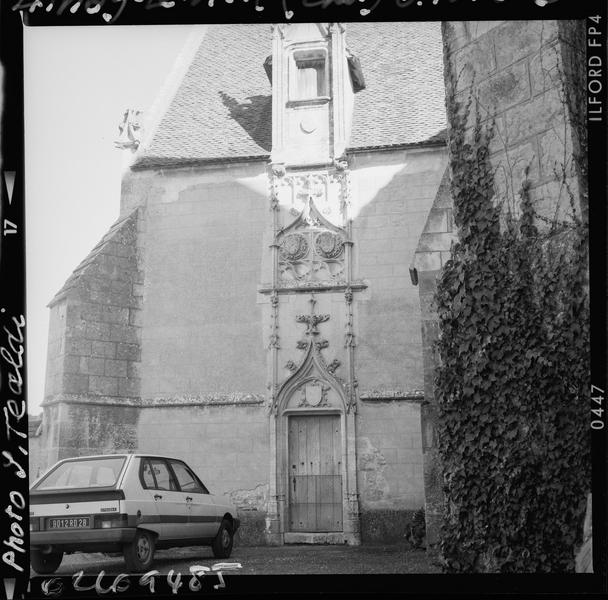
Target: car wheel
[(139, 554), (222, 544), (45, 563)]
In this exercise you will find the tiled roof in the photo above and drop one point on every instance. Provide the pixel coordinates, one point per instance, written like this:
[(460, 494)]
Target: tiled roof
[(222, 110), (404, 101), (119, 235)]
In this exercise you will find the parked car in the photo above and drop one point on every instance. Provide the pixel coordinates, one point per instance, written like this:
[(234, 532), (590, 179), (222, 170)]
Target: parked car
[(129, 503)]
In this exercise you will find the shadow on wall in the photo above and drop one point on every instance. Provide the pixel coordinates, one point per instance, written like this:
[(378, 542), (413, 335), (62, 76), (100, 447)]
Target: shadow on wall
[(387, 231), (254, 116)]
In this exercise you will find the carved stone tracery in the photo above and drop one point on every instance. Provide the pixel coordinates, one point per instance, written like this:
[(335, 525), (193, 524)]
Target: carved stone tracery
[(311, 249), (312, 378), (311, 252)]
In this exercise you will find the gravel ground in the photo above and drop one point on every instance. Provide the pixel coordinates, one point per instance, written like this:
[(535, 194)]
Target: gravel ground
[(270, 560)]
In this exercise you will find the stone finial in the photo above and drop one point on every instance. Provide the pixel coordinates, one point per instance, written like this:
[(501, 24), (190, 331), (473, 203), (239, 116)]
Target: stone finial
[(312, 320), (130, 130)]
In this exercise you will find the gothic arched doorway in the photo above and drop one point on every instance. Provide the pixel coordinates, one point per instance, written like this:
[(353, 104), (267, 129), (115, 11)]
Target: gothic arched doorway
[(313, 480)]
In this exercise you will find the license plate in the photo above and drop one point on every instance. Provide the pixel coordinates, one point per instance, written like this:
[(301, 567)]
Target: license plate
[(69, 523)]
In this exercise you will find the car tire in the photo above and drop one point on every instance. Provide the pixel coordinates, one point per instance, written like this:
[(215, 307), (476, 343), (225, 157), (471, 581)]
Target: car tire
[(45, 563), (222, 544), (139, 554)]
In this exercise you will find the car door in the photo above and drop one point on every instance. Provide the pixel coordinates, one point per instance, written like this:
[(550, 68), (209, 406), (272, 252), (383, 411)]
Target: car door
[(204, 518), (144, 503), (172, 505)]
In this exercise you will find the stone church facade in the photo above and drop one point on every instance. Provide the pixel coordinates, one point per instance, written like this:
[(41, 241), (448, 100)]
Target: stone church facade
[(253, 310)]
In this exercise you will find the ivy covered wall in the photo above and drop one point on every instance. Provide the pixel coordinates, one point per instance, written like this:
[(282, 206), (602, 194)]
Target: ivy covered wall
[(506, 333)]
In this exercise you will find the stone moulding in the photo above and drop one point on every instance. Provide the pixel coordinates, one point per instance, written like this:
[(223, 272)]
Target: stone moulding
[(320, 287), (236, 398), (93, 400), (391, 395)]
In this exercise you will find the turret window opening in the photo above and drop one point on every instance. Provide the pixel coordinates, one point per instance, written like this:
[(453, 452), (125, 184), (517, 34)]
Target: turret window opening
[(310, 79)]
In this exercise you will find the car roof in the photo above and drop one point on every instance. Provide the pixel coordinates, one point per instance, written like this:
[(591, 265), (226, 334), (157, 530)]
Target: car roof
[(94, 456), (134, 454)]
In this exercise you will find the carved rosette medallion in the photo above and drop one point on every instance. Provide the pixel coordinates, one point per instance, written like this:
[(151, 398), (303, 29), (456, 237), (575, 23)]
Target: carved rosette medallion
[(293, 247), (329, 244)]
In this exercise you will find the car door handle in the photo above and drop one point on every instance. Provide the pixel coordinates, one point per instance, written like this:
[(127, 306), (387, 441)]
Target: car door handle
[(157, 497)]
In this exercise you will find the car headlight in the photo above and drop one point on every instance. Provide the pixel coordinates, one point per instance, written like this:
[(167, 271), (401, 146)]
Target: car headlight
[(34, 524)]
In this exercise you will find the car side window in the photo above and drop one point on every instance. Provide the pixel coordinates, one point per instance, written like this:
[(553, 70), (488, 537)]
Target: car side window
[(164, 478), (147, 475), (188, 481)]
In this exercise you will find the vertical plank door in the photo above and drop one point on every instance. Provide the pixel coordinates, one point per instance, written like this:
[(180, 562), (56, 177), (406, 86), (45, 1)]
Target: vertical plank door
[(315, 473)]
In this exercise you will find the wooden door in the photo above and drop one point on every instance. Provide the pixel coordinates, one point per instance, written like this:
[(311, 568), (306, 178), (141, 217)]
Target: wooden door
[(315, 473)]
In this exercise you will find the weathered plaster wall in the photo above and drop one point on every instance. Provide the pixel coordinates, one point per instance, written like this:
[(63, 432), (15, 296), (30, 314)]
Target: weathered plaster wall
[(226, 444), (390, 469), (392, 194), (202, 331)]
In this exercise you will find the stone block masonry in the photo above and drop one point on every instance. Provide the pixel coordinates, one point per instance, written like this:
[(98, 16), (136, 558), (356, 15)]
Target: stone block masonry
[(516, 73), (92, 375)]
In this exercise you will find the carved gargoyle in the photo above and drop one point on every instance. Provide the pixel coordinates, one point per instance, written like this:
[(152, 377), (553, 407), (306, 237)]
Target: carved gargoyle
[(130, 130)]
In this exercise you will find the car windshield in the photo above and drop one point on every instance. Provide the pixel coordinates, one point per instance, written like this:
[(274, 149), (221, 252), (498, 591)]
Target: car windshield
[(92, 472)]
